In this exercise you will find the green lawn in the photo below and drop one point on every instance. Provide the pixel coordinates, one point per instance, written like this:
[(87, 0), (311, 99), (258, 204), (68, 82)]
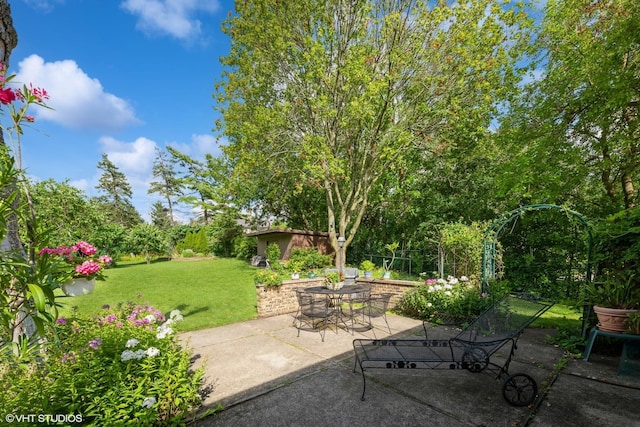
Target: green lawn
[(209, 293)]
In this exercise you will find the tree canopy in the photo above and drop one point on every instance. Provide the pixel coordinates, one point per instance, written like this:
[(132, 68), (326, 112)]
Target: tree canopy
[(330, 97)]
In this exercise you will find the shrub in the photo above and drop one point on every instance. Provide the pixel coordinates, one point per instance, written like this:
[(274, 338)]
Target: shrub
[(444, 300), (124, 366), (310, 258), (272, 253), (268, 277)]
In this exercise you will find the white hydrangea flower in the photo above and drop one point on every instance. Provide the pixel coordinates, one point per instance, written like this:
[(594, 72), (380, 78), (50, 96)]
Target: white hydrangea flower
[(152, 352), (441, 281), (132, 343), (438, 287), (148, 402), (163, 331), (150, 318), (448, 293), (126, 355), (448, 286), (431, 289), (129, 355), (464, 279), (175, 315)]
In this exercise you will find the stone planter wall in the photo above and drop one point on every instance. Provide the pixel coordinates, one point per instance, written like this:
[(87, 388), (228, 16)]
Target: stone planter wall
[(273, 301)]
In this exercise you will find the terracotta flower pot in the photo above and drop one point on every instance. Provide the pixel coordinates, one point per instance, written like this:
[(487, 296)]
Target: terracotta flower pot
[(612, 319)]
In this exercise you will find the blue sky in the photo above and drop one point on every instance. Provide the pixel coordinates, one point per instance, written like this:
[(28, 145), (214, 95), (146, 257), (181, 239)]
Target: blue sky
[(124, 77)]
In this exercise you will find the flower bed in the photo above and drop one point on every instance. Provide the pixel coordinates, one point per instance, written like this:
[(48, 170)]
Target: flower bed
[(122, 367)]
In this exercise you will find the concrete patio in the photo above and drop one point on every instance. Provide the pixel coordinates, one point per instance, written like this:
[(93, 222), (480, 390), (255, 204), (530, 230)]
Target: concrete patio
[(263, 374)]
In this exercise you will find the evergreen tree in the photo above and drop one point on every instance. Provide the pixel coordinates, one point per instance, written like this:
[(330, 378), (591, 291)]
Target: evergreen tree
[(160, 216), (117, 197), (166, 182)]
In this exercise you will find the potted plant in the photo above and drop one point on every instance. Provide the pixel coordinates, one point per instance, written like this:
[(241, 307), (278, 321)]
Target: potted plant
[(367, 266), (616, 249), (294, 266), (387, 264), (613, 300), (332, 281), (78, 268)]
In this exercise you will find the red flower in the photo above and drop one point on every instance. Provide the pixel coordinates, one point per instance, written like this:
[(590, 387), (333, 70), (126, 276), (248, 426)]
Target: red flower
[(7, 96)]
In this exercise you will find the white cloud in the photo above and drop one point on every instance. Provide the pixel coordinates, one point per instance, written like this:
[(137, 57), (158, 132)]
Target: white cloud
[(199, 146), (82, 184), (134, 159), (172, 17), (43, 5), (77, 101)]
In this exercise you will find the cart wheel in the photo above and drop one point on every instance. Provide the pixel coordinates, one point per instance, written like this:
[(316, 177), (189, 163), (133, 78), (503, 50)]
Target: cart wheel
[(520, 390), (475, 359)]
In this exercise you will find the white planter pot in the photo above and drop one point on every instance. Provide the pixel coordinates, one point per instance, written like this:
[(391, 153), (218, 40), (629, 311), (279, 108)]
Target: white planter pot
[(334, 286), (78, 286)]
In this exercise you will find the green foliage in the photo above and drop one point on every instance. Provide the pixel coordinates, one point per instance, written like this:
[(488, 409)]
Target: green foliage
[(267, 277), (293, 266), (620, 291), (310, 258), (116, 198), (332, 277), (392, 248), (546, 253), (568, 339), (111, 239), (245, 247), (617, 244), (367, 265), (27, 290), (224, 230), (445, 300), (64, 212), (166, 184), (273, 255), (462, 245), (123, 366), (341, 114), (147, 240), (633, 323)]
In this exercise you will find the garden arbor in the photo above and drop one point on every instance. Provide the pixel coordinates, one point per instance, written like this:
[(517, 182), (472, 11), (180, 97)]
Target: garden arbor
[(489, 252)]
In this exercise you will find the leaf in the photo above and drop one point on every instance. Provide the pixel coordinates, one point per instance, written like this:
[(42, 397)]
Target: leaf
[(38, 297)]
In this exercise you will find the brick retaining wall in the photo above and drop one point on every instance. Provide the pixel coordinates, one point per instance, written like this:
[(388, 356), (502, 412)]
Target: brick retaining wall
[(273, 301)]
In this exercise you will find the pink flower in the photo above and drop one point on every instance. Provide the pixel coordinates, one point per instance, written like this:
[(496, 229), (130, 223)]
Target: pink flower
[(88, 268), (105, 259), (30, 119), (85, 248), (7, 96)]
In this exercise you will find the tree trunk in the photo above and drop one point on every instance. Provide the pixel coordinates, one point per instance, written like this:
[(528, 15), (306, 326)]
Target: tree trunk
[(22, 324)]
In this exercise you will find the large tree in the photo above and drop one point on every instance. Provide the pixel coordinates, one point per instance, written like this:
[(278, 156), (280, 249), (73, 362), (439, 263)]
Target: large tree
[(578, 120), (117, 195), (332, 96), (166, 182), (201, 183)]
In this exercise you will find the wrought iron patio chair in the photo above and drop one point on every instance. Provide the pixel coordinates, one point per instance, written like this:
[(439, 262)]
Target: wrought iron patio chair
[(359, 310), (378, 305), (313, 313)]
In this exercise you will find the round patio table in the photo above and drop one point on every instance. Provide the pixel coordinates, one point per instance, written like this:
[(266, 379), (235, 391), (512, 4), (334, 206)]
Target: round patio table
[(336, 296)]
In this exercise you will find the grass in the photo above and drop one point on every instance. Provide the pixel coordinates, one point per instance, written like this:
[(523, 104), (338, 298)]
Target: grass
[(210, 292), (560, 316)]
